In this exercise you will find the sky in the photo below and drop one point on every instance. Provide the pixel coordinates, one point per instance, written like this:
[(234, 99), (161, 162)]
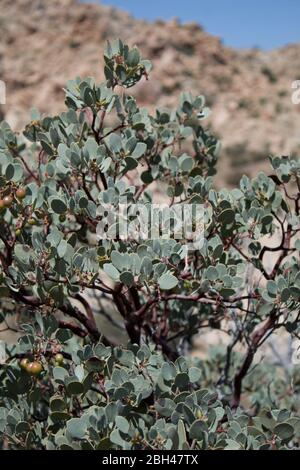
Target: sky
[(240, 23)]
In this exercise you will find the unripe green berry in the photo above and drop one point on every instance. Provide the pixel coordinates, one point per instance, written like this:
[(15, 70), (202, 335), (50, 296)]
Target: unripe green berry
[(32, 221), (59, 358)]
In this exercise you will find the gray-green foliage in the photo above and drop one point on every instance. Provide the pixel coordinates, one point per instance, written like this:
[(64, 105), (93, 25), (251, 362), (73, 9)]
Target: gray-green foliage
[(102, 149), (103, 398)]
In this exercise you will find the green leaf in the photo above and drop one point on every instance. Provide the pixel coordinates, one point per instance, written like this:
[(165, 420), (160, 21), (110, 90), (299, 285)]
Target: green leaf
[(197, 430), (104, 444), (111, 271), (227, 216), (267, 219), (74, 387), (284, 430), (182, 381), (22, 427), (285, 294), (232, 445), (58, 206), (116, 438), (77, 428), (186, 163), (139, 150), (115, 143), (165, 407), (194, 374), (181, 435), (47, 148), (212, 273), (272, 288), (133, 57), (94, 364), (131, 163), (226, 292), (167, 281), (57, 404), (59, 374), (127, 278), (62, 248), (168, 371), (122, 424), (10, 171)]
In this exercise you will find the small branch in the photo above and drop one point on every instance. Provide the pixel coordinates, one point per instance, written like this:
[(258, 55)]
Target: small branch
[(285, 248), (249, 260), (258, 335), (97, 138), (140, 191), (118, 128), (87, 308), (74, 328), (224, 377), (102, 121), (69, 310), (86, 189), (170, 353), (29, 171), (85, 321)]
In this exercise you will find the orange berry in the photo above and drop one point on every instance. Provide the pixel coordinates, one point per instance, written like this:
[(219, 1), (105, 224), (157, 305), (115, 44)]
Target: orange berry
[(7, 201), (34, 368), (24, 363), (21, 193)]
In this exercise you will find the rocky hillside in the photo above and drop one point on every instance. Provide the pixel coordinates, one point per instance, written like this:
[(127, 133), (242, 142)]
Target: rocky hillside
[(43, 44)]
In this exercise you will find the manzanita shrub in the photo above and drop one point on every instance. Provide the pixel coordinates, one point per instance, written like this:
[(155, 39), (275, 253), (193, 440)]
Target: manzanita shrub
[(66, 385)]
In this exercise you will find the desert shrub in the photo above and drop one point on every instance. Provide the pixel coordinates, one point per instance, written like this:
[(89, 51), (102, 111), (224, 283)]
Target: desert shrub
[(65, 384), (99, 397), (271, 76)]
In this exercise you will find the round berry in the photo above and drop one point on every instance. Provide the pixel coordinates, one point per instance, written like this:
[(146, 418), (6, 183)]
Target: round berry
[(59, 358), (24, 363), (21, 193), (34, 368), (7, 201), (32, 221)]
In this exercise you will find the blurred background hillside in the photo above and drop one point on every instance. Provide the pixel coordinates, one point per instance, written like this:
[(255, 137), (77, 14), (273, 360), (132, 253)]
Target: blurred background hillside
[(45, 43)]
